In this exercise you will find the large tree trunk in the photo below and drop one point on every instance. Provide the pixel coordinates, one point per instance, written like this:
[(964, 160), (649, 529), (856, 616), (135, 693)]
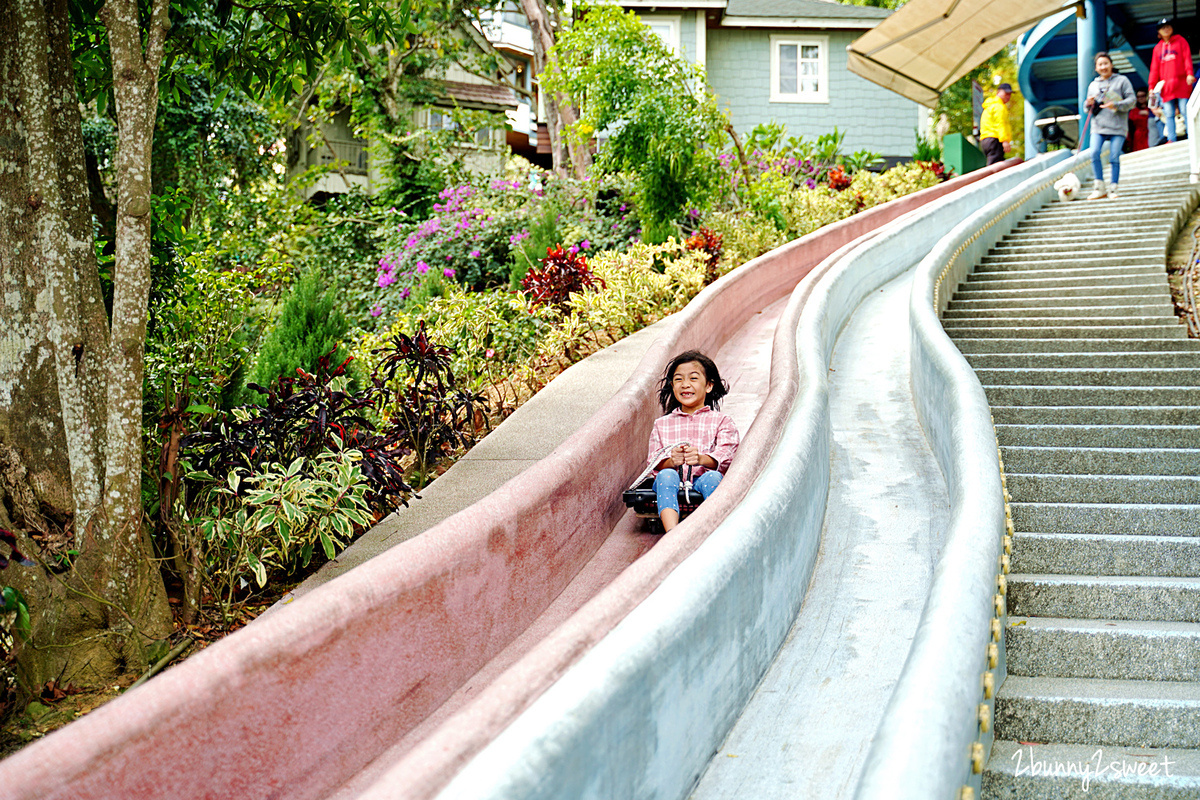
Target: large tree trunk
[(96, 601), (560, 112)]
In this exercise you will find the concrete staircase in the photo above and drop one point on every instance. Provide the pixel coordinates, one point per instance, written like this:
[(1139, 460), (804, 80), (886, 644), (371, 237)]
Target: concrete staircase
[(1095, 392)]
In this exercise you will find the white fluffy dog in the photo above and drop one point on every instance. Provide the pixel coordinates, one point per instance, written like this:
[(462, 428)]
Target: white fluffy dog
[(1068, 186)]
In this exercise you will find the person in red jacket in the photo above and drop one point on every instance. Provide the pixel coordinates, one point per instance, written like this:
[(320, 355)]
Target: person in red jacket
[(1171, 73), (1139, 121)]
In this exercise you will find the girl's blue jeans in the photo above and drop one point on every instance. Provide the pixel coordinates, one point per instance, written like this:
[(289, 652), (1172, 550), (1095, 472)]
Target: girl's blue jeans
[(1169, 109), (667, 483), (1115, 143)]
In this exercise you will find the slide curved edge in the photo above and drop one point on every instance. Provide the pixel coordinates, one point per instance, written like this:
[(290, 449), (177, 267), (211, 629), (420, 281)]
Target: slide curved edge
[(923, 748)]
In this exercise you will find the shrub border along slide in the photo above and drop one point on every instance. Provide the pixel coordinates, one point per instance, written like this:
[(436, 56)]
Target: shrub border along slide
[(299, 702)]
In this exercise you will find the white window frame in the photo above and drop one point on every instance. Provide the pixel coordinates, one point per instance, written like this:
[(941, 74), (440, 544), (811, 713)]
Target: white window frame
[(672, 21), (819, 96)]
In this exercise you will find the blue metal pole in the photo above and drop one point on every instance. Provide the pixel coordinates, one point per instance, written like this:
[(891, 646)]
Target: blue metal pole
[(1092, 36)]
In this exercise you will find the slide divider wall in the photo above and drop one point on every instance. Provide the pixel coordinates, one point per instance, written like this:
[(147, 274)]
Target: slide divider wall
[(642, 712), (936, 732)]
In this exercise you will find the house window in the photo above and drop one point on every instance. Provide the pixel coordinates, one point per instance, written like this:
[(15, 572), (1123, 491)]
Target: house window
[(665, 28), (442, 121), (799, 69)]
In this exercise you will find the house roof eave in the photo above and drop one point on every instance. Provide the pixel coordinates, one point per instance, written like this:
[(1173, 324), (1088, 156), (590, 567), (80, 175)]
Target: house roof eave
[(798, 22)]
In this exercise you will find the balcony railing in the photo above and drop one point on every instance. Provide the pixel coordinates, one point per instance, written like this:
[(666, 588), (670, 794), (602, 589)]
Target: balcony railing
[(352, 155)]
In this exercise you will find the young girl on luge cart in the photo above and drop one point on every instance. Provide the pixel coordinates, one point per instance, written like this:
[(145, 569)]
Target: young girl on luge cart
[(693, 437)]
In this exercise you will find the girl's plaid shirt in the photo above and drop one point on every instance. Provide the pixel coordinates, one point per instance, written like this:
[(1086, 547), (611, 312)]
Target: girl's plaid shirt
[(712, 432)]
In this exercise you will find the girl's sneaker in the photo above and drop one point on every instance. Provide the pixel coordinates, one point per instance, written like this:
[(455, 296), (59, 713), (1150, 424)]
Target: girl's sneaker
[(1112, 191), (1097, 190)]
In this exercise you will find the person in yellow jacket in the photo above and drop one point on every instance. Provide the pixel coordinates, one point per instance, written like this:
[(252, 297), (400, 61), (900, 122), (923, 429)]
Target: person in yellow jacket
[(994, 132)]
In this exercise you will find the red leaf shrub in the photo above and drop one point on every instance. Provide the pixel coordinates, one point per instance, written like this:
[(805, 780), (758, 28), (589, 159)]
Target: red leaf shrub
[(838, 179), (563, 271), (709, 242), (936, 167)]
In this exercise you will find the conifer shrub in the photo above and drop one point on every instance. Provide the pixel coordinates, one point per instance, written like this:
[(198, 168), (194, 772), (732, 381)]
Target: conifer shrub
[(309, 327)]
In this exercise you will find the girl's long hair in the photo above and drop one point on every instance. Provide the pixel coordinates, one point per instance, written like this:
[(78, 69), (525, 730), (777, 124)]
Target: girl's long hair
[(666, 397)]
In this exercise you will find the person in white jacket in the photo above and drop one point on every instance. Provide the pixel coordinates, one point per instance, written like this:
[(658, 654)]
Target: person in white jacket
[(1109, 98)]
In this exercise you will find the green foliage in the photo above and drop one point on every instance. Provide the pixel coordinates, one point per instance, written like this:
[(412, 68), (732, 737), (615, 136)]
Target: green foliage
[(778, 166), (388, 91), (201, 340), (752, 231), (308, 327), (275, 519), (665, 123), (928, 148), (641, 285), (955, 101), (486, 234), (494, 332)]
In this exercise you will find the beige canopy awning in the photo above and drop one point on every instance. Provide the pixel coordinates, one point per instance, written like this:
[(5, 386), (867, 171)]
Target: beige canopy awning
[(929, 44)]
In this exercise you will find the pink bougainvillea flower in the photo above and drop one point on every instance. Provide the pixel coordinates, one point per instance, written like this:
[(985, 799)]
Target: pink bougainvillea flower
[(475, 254), (585, 244), (490, 352), (404, 293), (422, 268), (449, 273), (376, 310)]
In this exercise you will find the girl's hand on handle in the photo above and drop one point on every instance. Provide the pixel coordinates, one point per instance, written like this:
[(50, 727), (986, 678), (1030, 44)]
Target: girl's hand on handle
[(679, 455)]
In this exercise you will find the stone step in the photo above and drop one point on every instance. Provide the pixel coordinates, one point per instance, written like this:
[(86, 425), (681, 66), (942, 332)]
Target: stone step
[(1039, 321), (1150, 256), (969, 345), (1155, 259), (1107, 215), (1101, 460), (1026, 395), (1082, 376), (1148, 231), (1104, 488), (1144, 205), (1037, 271), (1011, 434), (1153, 233), (1006, 247), (983, 281), (1098, 360), (1123, 597), (1151, 519), (1029, 771), (1098, 332), (1099, 712), (1158, 291), (1049, 647), (1114, 314), (1040, 304), (1145, 228), (1106, 554)]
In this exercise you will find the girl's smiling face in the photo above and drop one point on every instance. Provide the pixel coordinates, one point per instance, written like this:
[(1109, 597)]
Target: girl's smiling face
[(690, 385), (1104, 67)]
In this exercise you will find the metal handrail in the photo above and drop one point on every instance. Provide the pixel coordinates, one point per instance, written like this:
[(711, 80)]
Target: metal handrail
[(1193, 124)]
